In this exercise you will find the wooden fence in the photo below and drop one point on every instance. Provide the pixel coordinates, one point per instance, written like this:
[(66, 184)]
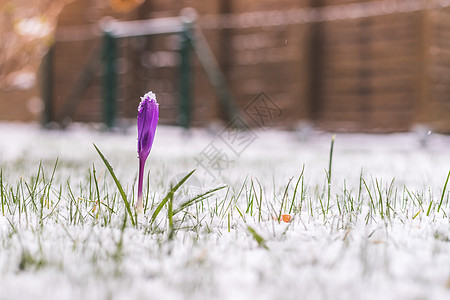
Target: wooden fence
[(376, 66)]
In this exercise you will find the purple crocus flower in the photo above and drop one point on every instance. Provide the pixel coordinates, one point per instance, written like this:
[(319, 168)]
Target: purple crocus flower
[(148, 114)]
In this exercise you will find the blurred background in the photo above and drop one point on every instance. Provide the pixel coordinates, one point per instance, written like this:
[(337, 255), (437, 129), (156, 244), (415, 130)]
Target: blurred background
[(338, 65)]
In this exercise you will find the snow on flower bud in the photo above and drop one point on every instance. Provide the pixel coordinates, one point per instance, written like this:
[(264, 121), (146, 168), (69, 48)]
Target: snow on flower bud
[(148, 114)]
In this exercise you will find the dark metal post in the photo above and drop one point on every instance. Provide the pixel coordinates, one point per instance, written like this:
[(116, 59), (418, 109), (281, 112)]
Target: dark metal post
[(184, 116), (47, 87), (109, 79)]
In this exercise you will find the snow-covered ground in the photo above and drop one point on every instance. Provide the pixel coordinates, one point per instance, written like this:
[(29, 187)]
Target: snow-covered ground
[(359, 247)]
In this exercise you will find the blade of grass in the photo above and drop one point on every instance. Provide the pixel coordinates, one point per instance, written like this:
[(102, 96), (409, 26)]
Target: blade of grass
[(98, 192), (119, 186), (360, 189), (147, 193), (260, 202), (168, 196), (329, 171), (295, 190), (284, 199), (197, 199), (52, 177), (380, 198), (443, 192), (370, 195), (250, 198), (170, 217), (221, 213), (242, 216), (2, 195), (429, 208), (259, 239)]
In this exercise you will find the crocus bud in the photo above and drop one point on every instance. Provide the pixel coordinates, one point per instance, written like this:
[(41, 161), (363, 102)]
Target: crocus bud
[(148, 114)]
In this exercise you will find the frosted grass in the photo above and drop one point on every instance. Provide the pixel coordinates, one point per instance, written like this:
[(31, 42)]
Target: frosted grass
[(376, 232)]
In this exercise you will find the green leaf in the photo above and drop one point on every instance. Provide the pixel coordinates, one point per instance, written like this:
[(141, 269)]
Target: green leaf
[(169, 196), (259, 239), (119, 186), (197, 199), (170, 217), (443, 192)]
